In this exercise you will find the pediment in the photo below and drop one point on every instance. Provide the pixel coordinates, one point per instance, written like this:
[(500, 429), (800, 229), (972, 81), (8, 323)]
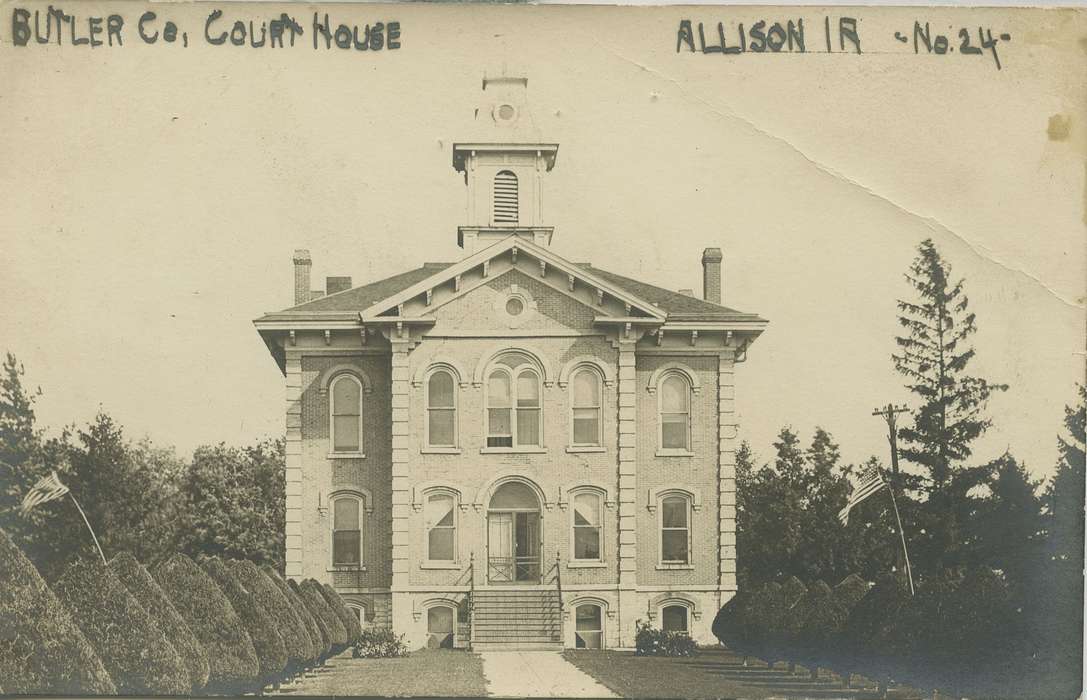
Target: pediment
[(551, 276), (515, 301)]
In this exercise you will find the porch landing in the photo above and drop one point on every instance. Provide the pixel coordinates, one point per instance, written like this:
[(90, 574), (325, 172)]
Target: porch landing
[(532, 674)]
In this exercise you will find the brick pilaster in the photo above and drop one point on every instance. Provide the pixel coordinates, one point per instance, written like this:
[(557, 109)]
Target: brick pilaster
[(726, 510), (629, 611), (293, 463)]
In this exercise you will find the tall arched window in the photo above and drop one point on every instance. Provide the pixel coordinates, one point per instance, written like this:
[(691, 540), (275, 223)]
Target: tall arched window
[(441, 527), (505, 198), (675, 412), (345, 427), (346, 530), (441, 409), (585, 408), (588, 514), (675, 529), (513, 407)]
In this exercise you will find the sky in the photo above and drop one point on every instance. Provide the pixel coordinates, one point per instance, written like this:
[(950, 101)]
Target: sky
[(154, 195)]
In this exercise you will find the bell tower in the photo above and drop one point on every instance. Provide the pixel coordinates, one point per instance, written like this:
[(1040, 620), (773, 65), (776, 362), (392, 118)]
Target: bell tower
[(504, 166)]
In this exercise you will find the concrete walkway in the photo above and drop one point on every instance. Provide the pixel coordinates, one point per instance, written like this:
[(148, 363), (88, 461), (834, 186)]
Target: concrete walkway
[(533, 674)]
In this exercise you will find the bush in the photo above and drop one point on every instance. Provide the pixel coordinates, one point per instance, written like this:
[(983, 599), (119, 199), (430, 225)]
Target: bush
[(817, 621), (318, 619), (776, 620), (42, 651), (320, 641), (130, 643), (850, 590), (315, 596), (649, 641), (231, 657), (379, 643), (728, 623), (139, 583), (350, 620), (300, 648), (271, 653), (864, 645)]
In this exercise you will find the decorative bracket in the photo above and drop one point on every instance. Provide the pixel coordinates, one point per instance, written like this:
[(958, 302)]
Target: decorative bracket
[(456, 283), (294, 338), (429, 296), (543, 268), (486, 267), (694, 337), (328, 337), (513, 255), (570, 282)]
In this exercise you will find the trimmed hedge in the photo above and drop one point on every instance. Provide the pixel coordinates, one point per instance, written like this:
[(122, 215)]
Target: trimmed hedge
[(232, 659), (818, 620), (350, 620), (130, 643), (139, 583), (337, 632), (320, 642), (300, 648), (271, 653), (318, 619), (42, 651)]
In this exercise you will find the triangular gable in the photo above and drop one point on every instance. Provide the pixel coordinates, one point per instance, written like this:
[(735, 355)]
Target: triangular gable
[(554, 263)]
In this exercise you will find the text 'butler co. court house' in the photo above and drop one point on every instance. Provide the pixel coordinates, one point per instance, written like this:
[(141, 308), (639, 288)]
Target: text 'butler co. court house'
[(512, 450)]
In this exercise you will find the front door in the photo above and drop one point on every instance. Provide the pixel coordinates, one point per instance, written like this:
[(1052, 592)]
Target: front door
[(513, 547)]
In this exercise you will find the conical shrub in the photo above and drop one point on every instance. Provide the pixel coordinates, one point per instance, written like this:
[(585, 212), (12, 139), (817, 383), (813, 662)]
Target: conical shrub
[(139, 583), (271, 653), (300, 648), (132, 646), (318, 618), (232, 661), (311, 588), (350, 620), (320, 641), (42, 650)]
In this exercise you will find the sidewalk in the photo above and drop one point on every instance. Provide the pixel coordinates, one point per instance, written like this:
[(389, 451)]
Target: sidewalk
[(523, 674)]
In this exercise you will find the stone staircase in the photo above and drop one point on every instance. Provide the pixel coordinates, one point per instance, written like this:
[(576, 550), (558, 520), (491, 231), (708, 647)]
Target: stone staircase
[(508, 618)]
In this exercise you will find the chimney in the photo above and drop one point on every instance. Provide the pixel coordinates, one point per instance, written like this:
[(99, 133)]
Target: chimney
[(337, 284), (302, 265), (711, 275)]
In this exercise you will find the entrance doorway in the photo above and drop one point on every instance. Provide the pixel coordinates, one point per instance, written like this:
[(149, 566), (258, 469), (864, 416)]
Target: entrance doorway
[(513, 535)]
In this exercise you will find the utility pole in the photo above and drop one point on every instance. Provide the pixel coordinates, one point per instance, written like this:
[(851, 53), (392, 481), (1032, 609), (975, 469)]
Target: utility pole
[(889, 414)]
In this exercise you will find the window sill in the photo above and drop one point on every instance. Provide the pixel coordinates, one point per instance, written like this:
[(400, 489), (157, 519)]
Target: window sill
[(675, 453), (440, 451), (585, 448), (675, 567), (347, 568), (586, 564), (512, 450), (452, 565), (346, 455)]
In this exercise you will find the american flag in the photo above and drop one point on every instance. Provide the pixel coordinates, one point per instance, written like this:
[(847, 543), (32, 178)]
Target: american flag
[(871, 481), (48, 489)]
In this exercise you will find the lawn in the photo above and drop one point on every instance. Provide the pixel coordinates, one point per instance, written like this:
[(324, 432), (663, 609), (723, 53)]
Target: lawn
[(422, 673), (712, 673)]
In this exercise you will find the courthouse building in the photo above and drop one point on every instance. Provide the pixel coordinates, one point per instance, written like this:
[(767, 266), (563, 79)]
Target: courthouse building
[(512, 449)]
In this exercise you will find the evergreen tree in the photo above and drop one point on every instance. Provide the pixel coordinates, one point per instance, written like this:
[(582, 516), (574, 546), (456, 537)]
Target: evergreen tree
[(934, 355)]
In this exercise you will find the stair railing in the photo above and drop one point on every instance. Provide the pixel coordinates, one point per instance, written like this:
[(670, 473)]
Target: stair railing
[(471, 598), (558, 587)]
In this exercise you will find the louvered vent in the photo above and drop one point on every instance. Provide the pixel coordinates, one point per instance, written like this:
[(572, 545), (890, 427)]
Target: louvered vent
[(505, 198)]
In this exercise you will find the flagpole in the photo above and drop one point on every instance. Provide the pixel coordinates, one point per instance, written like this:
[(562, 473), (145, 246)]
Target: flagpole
[(93, 536), (902, 536)]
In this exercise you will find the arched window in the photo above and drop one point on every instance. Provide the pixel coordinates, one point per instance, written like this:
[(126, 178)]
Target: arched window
[(675, 412), (585, 408), (675, 529), (359, 611), (588, 626), (346, 530), (513, 407), (441, 409), (346, 414), (505, 198), (674, 619), (440, 514), (440, 620), (587, 515)]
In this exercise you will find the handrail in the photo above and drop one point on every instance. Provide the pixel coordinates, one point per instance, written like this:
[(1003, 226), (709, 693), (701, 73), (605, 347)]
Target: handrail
[(471, 598), (558, 576)]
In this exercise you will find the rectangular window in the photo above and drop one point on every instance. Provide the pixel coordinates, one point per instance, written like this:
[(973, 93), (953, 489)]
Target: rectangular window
[(346, 533), (674, 431), (528, 409), (586, 408), (441, 528), (499, 411), (441, 410), (675, 531)]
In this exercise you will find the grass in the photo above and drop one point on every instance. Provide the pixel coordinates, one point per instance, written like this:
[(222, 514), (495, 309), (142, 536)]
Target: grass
[(712, 673), (428, 672)]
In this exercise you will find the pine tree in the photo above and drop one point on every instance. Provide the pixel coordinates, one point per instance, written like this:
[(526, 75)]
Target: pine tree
[(934, 355)]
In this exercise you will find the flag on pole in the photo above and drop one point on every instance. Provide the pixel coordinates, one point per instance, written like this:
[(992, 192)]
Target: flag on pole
[(48, 489), (871, 481)]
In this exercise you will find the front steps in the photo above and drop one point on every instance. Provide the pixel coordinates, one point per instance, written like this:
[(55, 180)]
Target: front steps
[(512, 619)]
